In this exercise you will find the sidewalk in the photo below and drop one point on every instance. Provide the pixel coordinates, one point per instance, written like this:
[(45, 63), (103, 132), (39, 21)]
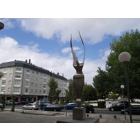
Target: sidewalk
[(111, 118), (62, 116), (38, 112)]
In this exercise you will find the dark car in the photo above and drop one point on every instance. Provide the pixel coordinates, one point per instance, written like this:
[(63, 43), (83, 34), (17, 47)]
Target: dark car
[(89, 108), (1, 106), (70, 106), (119, 106), (53, 107), (135, 109)]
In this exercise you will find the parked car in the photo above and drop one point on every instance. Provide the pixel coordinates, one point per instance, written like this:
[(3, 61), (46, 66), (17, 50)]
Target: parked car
[(1, 106), (8, 102), (135, 109), (119, 106), (89, 108), (70, 106), (53, 107), (31, 106), (42, 105)]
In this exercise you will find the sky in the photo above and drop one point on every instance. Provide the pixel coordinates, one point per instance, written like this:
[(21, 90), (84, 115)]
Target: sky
[(46, 42)]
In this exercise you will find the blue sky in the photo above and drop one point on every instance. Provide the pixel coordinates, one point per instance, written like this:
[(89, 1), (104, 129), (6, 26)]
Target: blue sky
[(46, 42)]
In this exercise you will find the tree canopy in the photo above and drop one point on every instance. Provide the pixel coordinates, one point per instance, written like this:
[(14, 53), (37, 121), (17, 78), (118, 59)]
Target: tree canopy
[(89, 93), (113, 76), (53, 93)]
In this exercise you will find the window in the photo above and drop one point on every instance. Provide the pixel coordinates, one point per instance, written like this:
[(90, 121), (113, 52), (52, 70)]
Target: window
[(17, 75), (28, 71), (44, 86), (27, 83), (2, 89), (17, 82), (18, 69), (26, 90), (27, 76), (16, 89), (3, 82)]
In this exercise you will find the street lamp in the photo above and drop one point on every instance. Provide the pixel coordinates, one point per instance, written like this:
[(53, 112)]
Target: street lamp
[(122, 89), (1, 74), (124, 57)]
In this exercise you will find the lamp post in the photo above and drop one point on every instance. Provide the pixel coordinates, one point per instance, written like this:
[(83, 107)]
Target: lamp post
[(122, 89), (1, 74), (124, 57)]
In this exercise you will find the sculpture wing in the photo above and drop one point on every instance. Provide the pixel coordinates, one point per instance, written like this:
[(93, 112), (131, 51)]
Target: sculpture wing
[(83, 47), (75, 59)]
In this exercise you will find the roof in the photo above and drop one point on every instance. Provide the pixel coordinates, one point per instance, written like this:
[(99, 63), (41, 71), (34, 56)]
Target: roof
[(25, 64)]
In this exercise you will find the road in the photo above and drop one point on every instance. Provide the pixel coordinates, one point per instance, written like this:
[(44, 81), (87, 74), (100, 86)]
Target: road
[(104, 116)]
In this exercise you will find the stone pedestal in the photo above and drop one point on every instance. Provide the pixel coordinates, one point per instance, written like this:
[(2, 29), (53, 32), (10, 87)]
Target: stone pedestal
[(78, 83), (79, 113)]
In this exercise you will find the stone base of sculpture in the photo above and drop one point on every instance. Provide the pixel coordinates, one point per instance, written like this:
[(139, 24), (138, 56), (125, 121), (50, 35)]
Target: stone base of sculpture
[(78, 83), (79, 113)]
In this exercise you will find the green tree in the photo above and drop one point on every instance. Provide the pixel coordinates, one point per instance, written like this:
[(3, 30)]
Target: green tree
[(89, 93), (113, 95), (53, 85), (130, 42), (58, 91), (102, 82), (69, 93)]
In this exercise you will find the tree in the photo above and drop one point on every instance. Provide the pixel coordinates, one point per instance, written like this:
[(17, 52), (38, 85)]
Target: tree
[(114, 73), (58, 91), (69, 93), (89, 93), (129, 42), (102, 83), (113, 95), (53, 85)]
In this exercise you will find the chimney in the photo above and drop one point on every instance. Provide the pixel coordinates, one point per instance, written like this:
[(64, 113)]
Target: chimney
[(26, 61)]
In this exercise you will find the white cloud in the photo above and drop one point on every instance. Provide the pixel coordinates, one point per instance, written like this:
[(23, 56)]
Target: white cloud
[(8, 23), (11, 50), (68, 50), (92, 29)]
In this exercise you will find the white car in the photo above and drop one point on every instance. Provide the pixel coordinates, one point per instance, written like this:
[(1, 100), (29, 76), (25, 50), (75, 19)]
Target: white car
[(31, 106)]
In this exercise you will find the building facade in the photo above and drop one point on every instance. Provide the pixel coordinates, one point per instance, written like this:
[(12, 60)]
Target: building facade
[(28, 82)]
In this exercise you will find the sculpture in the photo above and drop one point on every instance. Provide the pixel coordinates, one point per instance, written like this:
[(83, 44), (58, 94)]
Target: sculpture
[(78, 82), (76, 64), (78, 78)]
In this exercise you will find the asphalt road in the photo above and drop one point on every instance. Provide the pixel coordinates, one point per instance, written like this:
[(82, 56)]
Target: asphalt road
[(104, 115), (17, 117)]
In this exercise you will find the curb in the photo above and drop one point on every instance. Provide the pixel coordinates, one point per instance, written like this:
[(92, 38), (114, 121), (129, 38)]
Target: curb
[(41, 113)]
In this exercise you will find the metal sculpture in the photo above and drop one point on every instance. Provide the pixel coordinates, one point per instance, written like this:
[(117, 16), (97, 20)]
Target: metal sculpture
[(78, 82), (76, 64)]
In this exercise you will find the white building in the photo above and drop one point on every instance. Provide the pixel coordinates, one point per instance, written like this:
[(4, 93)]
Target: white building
[(28, 81)]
